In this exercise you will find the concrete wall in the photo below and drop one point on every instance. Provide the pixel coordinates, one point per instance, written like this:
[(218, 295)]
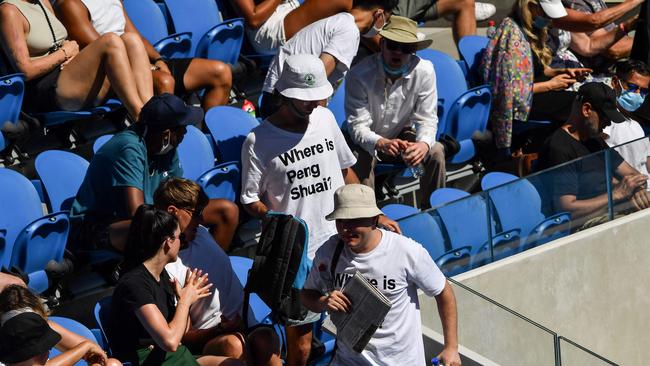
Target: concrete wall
[(592, 287)]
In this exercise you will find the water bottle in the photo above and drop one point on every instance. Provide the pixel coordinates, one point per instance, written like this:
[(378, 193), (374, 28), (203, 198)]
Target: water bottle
[(491, 29), (417, 171), (435, 361)]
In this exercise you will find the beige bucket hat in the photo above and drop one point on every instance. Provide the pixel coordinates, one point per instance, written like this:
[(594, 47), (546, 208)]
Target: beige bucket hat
[(404, 30), (354, 201)]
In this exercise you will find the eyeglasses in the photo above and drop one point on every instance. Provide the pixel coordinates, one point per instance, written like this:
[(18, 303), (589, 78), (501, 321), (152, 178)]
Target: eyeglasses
[(406, 48), (636, 89)]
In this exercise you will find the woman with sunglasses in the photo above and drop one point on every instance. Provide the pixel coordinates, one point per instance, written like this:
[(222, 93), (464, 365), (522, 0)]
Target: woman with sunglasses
[(59, 76), (150, 311)]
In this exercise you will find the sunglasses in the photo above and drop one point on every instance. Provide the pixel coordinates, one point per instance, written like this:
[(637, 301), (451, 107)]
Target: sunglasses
[(406, 48), (636, 89), (196, 214)]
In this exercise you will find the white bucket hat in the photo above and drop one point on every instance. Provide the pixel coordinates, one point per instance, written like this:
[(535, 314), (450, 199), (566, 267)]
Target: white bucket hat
[(553, 8), (303, 77), (354, 201)]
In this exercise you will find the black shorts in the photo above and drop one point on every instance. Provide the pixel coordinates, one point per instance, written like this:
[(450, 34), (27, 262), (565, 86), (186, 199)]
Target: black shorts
[(40, 93), (178, 68)]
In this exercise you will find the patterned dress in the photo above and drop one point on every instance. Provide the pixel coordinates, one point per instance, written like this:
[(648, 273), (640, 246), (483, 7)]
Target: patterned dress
[(507, 65)]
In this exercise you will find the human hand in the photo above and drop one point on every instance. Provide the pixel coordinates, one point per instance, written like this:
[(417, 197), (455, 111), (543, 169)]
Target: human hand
[(415, 153), (229, 325), (390, 147), (561, 82), (94, 354), (336, 301), (449, 357), (627, 187), (641, 199), (71, 49), (579, 73), (389, 224), (196, 287)]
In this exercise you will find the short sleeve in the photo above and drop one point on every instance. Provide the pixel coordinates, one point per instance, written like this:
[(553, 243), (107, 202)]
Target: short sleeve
[(129, 169), (423, 271), (134, 294), (251, 172), (343, 42)]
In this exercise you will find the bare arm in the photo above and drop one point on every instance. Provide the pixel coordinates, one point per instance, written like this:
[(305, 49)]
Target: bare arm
[(577, 21), (256, 209), (329, 61), (620, 49), (130, 197), (446, 302), (349, 176), (76, 18), (13, 28), (84, 350), (255, 14), (596, 43)]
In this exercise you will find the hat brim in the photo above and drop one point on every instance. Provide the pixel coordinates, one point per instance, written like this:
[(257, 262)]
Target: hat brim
[(423, 43), (308, 94), (554, 11), (614, 115), (45, 343), (346, 213)]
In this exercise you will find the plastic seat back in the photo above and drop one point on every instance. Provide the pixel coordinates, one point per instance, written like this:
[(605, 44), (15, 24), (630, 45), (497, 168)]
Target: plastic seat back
[(424, 229), (102, 313), (471, 50), (100, 141), (229, 127), (444, 195), (75, 327), (222, 42), (195, 154), (465, 221), (337, 104), (62, 173), (396, 211), (20, 206), (147, 18), (12, 89), (41, 241), (184, 14), (258, 311), (222, 181)]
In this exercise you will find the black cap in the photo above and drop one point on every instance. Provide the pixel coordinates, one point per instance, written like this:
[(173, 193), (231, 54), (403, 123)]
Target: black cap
[(603, 99), (24, 336), (168, 111)]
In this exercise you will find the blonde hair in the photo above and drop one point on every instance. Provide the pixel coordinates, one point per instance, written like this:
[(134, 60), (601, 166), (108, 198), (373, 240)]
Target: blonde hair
[(180, 192), (536, 37)]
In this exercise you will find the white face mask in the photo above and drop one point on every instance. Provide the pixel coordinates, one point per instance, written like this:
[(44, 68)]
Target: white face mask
[(166, 146), (373, 31)]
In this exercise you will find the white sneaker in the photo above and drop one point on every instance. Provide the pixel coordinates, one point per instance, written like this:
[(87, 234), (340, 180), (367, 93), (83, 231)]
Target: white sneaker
[(484, 10)]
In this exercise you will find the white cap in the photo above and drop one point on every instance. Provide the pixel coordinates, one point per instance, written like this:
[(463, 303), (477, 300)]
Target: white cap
[(553, 8), (303, 77)]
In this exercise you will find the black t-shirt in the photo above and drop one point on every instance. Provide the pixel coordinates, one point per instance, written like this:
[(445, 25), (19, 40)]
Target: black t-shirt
[(584, 178), (136, 288)]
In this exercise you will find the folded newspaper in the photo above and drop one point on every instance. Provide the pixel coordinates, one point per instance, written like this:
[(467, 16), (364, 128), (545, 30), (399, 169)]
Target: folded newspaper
[(369, 308)]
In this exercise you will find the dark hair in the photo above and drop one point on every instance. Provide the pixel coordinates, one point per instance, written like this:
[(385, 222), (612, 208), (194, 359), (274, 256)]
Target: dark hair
[(15, 297), (149, 229), (387, 5), (625, 69)]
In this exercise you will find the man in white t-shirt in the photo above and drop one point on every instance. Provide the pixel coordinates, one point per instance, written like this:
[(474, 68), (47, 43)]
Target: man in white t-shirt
[(631, 86), (216, 319), (397, 266), (334, 39), (293, 162), (391, 108)]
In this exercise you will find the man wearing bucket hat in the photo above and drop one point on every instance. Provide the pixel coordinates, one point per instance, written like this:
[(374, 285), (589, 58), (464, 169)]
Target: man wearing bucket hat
[(127, 169), (391, 108), (397, 266), (293, 162)]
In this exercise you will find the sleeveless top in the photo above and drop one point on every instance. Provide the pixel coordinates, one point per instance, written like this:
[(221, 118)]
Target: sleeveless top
[(106, 16), (39, 38)]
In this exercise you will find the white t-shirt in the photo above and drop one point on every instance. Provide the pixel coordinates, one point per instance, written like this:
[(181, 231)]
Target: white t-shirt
[(270, 35), (337, 35), (398, 267), (106, 16), (227, 294), (635, 153), (297, 173)]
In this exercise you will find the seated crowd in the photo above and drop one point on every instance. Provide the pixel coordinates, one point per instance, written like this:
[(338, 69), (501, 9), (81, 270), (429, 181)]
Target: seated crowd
[(177, 299)]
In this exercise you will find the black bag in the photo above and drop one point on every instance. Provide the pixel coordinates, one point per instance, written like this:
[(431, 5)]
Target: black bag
[(280, 267)]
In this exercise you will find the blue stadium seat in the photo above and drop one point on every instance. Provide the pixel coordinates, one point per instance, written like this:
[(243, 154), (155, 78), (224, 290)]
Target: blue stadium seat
[(195, 154), (461, 111), (518, 205), (471, 50), (102, 313), (183, 14), (38, 281), (442, 196), (74, 327), (100, 141), (62, 173), (426, 230), (337, 104), (40, 241), (150, 21), (258, 311), (222, 181), (396, 211), (229, 127), (12, 89)]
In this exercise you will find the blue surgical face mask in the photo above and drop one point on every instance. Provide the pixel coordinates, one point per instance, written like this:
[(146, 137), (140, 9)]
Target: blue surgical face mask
[(629, 100), (541, 22), (395, 72)]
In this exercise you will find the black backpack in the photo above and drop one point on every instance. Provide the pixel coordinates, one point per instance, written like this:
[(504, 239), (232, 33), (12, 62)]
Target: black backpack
[(280, 267)]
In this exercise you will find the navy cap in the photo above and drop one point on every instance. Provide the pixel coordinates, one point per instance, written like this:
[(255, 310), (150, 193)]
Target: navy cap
[(168, 111), (602, 98)]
